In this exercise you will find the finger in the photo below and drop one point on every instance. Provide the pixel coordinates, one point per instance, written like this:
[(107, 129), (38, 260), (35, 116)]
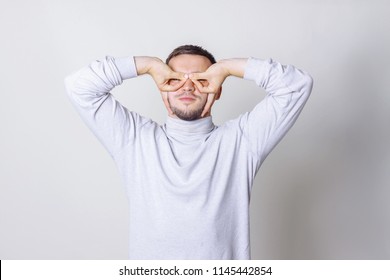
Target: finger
[(167, 86), (164, 96), (199, 86), (174, 76), (205, 89), (178, 76), (209, 103), (198, 76)]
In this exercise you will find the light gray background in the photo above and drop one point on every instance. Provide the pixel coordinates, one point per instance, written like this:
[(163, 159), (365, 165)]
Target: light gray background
[(323, 193)]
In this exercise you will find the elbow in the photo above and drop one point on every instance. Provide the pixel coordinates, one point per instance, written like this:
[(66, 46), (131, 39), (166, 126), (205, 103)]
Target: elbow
[(309, 81), (307, 84)]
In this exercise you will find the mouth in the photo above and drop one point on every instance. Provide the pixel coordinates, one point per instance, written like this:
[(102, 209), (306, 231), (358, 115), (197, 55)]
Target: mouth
[(186, 99)]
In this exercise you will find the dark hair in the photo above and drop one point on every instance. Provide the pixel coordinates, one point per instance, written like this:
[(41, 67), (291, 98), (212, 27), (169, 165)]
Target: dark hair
[(191, 49)]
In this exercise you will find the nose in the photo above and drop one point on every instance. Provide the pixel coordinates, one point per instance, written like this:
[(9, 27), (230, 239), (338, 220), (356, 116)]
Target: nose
[(188, 86)]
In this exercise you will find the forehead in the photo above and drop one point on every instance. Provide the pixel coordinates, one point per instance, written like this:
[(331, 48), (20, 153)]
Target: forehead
[(189, 63)]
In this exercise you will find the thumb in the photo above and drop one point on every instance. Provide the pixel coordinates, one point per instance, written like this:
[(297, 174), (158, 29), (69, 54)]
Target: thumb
[(178, 76)]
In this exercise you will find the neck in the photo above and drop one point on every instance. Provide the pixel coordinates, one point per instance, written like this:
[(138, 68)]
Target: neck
[(200, 126)]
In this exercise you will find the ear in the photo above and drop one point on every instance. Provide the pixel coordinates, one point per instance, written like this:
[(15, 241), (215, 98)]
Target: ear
[(218, 94)]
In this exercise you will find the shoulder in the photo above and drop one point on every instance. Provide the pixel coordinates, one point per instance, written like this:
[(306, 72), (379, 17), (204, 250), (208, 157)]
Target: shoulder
[(234, 126)]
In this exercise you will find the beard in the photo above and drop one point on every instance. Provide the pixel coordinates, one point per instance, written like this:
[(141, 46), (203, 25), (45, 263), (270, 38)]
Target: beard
[(188, 115)]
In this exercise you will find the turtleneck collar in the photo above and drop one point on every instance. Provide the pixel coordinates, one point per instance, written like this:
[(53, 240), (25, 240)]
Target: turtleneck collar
[(198, 127)]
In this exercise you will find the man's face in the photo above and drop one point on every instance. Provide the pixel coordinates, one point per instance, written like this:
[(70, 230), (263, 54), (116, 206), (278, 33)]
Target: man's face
[(187, 102)]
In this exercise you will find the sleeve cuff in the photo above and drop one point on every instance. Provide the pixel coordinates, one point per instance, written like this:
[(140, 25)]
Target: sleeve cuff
[(126, 67)]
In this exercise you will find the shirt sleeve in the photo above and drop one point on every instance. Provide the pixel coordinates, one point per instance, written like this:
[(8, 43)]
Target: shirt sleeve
[(89, 91), (287, 90)]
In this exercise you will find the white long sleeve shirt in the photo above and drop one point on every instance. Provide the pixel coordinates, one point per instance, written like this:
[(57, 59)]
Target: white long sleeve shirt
[(188, 182)]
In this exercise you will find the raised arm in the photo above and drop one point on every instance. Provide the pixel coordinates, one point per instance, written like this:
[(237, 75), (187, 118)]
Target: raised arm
[(287, 90), (89, 91)]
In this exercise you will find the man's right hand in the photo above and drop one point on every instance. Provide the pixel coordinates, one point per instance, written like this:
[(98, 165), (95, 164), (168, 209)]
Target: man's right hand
[(161, 73)]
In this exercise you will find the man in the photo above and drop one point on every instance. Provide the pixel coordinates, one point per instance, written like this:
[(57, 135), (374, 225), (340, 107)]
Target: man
[(189, 181)]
